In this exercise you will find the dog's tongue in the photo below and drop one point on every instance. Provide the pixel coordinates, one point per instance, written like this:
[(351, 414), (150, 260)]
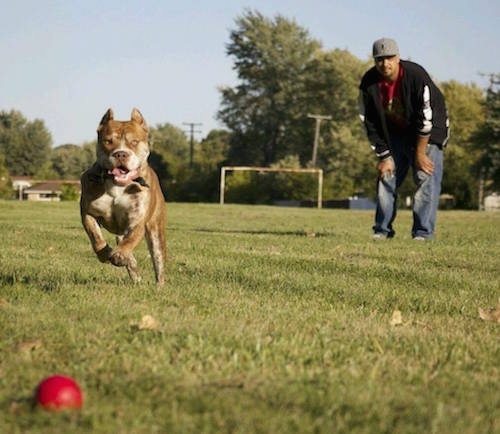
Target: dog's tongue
[(123, 177)]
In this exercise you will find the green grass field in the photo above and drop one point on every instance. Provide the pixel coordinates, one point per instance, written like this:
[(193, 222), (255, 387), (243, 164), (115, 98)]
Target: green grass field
[(273, 320)]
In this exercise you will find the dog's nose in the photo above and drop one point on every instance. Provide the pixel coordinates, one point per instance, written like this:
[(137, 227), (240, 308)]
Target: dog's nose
[(121, 155)]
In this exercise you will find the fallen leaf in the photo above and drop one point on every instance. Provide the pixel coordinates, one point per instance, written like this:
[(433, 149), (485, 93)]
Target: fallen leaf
[(4, 303), (397, 318), (28, 346), (490, 314), (147, 323)]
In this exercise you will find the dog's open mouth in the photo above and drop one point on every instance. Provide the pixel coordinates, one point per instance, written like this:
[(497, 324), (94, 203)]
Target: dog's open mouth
[(122, 176)]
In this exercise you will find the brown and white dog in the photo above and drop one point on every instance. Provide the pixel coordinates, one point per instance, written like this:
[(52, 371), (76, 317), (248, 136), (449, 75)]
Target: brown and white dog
[(121, 193)]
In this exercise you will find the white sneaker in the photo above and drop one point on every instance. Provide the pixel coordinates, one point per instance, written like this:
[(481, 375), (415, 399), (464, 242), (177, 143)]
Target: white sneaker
[(419, 238)]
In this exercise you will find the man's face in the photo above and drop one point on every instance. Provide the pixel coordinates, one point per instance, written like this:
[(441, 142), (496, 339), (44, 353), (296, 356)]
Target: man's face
[(388, 67)]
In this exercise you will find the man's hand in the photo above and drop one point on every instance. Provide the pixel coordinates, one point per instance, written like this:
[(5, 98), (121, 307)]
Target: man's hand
[(386, 168), (422, 161)]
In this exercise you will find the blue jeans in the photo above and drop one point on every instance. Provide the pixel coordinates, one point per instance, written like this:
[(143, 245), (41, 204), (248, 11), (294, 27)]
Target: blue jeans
[(426, 199)]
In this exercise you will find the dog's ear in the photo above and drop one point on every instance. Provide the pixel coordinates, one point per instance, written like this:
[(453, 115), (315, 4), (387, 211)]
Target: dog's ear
[(108, 116), (137, 117)]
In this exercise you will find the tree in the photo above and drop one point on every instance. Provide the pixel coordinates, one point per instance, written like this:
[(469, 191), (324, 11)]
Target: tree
[(292, 186), (284, 76), (262, 111), (210, 154), (199, 181), (465, 103), (344, 152), (46, 172), (5, 181), (70, 161), (26, 145), (169, 157), (213, 150), (487, 139)]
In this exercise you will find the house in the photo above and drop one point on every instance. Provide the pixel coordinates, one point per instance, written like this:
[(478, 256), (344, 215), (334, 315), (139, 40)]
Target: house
[(48, 190)]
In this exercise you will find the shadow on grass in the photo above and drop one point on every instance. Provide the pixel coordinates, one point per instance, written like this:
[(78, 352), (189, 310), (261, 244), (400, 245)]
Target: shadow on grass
[(297, 233)]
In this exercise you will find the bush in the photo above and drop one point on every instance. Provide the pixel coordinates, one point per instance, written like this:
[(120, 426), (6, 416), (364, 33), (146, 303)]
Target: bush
[(69, 192)]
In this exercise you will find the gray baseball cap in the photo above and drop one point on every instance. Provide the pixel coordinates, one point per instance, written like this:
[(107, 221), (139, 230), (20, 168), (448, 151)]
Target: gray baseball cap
[(385, 47)]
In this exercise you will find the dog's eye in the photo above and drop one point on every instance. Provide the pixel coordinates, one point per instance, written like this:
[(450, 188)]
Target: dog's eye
[(107, 142), (134, 142)]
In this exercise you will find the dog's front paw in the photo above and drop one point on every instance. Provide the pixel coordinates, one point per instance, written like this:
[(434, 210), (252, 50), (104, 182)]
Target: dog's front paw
[(120, 259), (105, 253)]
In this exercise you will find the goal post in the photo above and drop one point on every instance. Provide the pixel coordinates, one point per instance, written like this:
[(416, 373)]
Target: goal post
[(224, 169)]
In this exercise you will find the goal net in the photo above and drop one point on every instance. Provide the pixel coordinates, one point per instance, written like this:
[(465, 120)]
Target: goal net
[(225, 169)]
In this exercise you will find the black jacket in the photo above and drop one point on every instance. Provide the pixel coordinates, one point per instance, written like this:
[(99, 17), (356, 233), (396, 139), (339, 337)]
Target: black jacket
[(424, 107)]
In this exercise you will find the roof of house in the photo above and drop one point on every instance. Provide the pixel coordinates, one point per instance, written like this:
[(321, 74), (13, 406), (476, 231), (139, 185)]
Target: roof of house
[(51, 186), (21, 178)]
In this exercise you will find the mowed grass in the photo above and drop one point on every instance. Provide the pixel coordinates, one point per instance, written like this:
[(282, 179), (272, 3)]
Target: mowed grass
[(273, 320)]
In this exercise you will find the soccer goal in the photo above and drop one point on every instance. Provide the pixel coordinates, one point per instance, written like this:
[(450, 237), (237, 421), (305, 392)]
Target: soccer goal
[(225, 169)]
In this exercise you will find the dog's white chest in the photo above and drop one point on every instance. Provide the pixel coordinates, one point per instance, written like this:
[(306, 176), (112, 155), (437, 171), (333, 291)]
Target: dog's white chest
[(118, 210)]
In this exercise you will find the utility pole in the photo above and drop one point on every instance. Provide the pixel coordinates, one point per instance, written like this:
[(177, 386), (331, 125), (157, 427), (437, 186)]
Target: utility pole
[(192, 130), (318, 118)]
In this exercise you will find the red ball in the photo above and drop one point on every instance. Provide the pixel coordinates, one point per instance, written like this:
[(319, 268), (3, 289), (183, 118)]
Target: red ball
[(59, 393)]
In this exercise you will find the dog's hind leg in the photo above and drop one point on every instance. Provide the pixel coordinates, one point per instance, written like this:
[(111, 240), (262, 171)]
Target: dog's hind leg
[(155, 238)]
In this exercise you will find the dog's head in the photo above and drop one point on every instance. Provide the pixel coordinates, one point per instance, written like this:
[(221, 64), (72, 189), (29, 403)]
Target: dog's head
[(122, 146)]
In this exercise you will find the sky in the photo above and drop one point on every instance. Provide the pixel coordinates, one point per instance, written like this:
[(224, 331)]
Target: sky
[(67, 61)]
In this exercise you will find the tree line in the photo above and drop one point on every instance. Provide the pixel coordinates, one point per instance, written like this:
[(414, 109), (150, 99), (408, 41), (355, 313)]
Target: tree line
[(284, 77)]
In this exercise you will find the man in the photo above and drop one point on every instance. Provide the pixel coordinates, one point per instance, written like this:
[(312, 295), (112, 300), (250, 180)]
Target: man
[(405, 117)]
